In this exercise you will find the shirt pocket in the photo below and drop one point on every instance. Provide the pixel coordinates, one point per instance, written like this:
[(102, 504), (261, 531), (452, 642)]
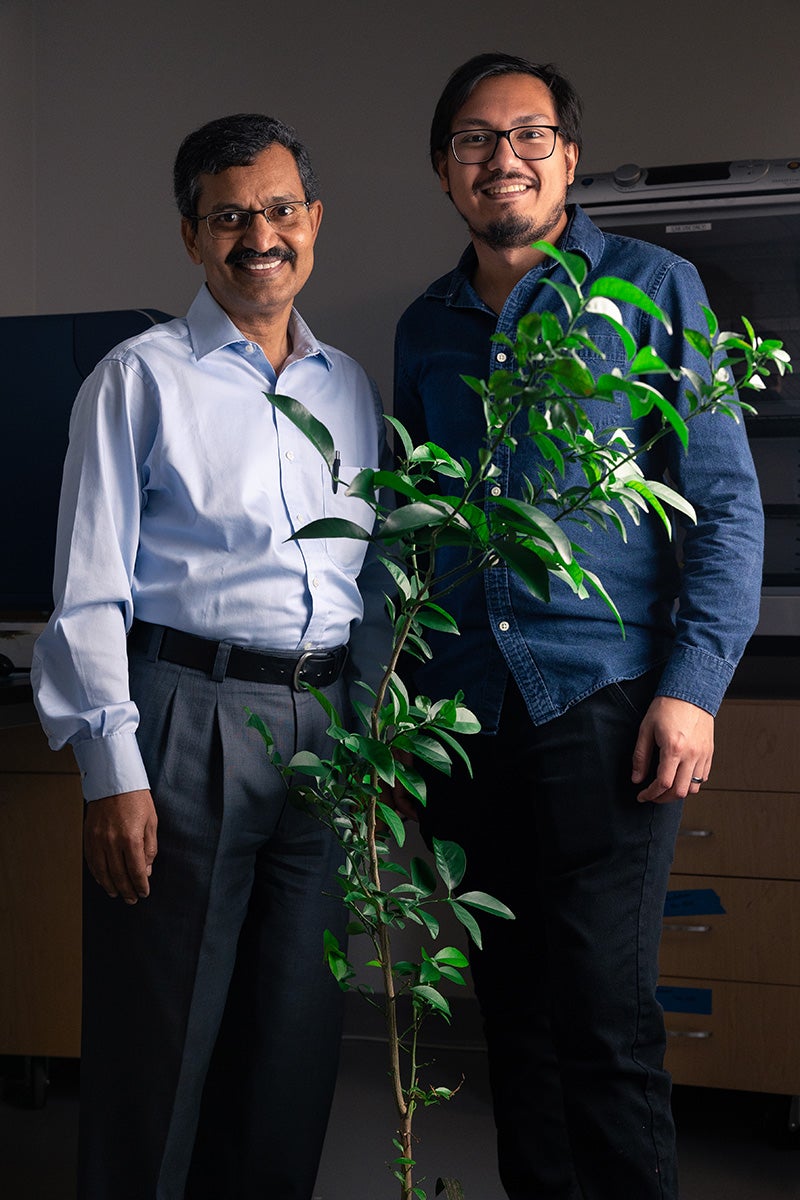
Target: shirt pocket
[(610, 353), (347, 553)]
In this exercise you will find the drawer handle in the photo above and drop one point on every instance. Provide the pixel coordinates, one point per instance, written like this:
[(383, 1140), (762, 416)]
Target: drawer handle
[(670, 927), (698, 1034), (696, 833)]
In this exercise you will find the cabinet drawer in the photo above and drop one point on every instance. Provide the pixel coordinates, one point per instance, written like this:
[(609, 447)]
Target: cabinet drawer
[(756, 938), (41, 824), (25, 748), (754, 834), (748, 1041), (757, 746)]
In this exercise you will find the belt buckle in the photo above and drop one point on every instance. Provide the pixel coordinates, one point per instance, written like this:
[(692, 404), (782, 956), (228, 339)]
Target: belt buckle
[(298, 667)]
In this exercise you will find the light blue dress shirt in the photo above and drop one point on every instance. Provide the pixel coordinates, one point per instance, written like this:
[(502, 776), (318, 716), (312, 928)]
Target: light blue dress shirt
[(182, 485)]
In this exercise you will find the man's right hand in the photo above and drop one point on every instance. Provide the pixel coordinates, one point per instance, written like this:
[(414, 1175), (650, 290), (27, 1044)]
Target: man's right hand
[(119, 841)]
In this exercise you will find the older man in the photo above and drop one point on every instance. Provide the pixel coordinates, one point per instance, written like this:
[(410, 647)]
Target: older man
[(590, 740), (211, 1024)]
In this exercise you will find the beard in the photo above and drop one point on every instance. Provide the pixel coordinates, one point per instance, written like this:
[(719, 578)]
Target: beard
[(515, 230)]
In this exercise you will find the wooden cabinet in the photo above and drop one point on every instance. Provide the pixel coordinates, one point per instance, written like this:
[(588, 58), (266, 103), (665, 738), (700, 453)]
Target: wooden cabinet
[(41, 815), (730, 953)]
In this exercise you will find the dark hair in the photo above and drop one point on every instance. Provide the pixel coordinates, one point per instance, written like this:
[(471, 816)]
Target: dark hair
[(233, 142), (466, 78)]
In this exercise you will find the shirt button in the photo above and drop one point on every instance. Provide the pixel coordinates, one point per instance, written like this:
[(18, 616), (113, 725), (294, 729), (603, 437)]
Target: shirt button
[(501, 356), (250, 348), (497, 491), (290, 455), (315, 582), (504, 626)]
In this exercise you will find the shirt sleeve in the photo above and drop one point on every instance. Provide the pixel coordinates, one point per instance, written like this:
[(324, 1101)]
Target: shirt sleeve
[(721, 553), (370, 643), (80, 666)]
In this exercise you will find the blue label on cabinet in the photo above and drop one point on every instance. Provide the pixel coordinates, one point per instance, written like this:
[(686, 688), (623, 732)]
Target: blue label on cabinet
[(684, 999), (693, 902)]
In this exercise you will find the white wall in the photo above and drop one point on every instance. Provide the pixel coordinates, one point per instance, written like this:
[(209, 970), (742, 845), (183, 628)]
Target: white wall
[(96, 96), (18, 215)]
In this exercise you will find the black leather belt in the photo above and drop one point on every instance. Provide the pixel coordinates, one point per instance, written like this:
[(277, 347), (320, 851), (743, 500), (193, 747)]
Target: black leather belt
[(222, 660)]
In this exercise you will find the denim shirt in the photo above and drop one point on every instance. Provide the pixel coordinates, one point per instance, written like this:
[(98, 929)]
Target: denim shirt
[(692, 618)]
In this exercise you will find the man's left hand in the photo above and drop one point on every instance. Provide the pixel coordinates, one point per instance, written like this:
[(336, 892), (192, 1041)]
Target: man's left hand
[(683, 734)]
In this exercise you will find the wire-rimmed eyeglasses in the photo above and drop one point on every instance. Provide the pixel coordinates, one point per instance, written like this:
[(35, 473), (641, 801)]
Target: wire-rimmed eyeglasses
[(232, 222), (529, 142)]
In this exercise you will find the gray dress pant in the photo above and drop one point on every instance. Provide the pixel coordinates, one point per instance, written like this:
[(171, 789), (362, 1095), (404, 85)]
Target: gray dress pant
[(211, 1023)]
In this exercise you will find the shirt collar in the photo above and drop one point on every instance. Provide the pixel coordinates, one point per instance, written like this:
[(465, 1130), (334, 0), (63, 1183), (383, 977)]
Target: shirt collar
[(210, 329), (580, 236)]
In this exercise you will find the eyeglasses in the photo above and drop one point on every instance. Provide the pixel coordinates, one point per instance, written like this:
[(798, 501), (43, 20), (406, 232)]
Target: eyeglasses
[(528, 142), (232, 222)]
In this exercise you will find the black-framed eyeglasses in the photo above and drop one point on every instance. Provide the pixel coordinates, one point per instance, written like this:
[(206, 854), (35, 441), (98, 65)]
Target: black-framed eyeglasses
[(529, 142), (232, 222)]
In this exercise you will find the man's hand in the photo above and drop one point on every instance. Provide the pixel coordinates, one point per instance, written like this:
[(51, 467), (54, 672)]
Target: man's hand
[(683, 734), (119, 841)]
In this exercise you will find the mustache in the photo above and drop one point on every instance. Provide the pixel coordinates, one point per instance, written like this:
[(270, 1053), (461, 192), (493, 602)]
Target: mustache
[(508, 177), (237, 256)]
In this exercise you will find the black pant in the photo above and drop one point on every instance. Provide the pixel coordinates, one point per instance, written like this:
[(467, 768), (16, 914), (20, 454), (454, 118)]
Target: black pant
[(552, 827)]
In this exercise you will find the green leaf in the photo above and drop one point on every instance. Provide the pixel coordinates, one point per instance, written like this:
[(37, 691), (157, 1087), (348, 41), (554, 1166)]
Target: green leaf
[(451, 957), (699, 342), (324, 703), (396, 482), (527, 565), (402, 433), (468, 921), (332, 527), (422, 876), (711, 321), (451, 862), (393, 820), (429, 972), (621, 289), (338, 963), (313, 429), (453, 975), (669, 496), (429, 750), (363, 486), (377, 753), (573, 375), (429, 921), (412, 781), (569, 295), (445, 736), (486, 903), (307, 763), (432, 616), (601, 591), (539, 522), (573, 264), (429, 997), (254, 721), (648, 362), (417, 515), (612, 316), (399, 575)]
